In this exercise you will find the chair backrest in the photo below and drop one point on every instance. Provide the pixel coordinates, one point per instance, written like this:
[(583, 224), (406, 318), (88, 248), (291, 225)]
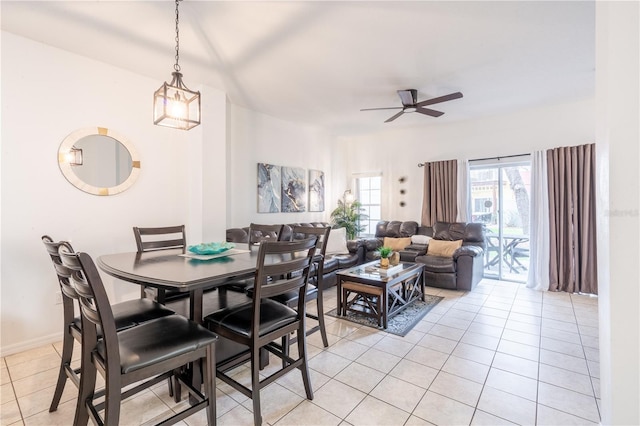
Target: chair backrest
[(62, 271), (300, 232), (259, 233), (282, 266), (163, 238), (95, 308)]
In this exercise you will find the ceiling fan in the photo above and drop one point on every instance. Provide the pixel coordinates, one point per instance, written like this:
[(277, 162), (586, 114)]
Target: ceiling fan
[(410, 103)]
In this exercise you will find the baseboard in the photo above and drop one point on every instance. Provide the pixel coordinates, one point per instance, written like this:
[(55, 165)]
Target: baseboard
[(30, 344)]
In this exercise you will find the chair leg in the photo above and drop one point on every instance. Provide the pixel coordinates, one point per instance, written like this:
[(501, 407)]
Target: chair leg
[(255, 386), (209, 378), (323, 330), (113, 394), (87, 389), (67, 354), (304, 368), (285, 348)]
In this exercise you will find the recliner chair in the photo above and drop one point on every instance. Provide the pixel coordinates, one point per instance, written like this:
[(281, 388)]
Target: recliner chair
[(465, 269)]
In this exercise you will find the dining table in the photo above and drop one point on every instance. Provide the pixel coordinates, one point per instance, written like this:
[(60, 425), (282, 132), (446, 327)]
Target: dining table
[(185, 272)]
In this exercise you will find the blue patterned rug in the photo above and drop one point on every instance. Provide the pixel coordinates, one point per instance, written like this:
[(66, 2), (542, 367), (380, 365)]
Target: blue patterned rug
[(402, 322)]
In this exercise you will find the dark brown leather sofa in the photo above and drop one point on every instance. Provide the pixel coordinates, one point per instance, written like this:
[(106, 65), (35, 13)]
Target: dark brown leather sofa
[(391, 229), (332, 263), (465, 269)]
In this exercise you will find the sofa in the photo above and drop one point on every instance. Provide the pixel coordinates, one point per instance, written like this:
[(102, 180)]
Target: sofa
[(344, 255), (395, 232), (449, 267)]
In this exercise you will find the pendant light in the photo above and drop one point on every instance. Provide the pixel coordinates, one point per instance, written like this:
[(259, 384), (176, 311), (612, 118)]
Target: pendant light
[(174, 105)]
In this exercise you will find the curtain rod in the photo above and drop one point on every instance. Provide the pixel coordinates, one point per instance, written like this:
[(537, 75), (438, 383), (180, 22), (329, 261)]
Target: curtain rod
[(488, 158)]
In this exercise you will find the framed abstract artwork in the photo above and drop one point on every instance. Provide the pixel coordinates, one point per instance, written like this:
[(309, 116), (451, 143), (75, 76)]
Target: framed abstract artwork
[(294, 190), (269, 188), (316, 191)]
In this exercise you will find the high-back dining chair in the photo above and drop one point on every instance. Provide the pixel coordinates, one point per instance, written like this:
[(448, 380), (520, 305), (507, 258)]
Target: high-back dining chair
[(257, 234), (161, 238), (259, 324), (314, 291), (145, 354), (126, 315)]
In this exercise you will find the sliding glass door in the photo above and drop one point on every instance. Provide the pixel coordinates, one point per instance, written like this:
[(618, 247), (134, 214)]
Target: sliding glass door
[(500, 199)]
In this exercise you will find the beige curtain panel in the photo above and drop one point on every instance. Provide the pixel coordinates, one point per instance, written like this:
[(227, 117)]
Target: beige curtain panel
[(572, 221), (439, 201)]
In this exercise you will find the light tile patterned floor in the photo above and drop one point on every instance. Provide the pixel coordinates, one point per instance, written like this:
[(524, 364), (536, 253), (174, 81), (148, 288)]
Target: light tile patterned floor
[(502, 354)]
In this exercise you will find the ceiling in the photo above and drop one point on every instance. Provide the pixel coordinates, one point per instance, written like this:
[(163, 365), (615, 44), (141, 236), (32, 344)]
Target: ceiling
[(319, 63)]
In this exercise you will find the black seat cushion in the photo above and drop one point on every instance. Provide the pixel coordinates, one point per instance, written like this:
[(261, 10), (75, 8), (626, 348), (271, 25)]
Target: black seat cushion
[(273, 315), (437, 264), (158, 340), (292, 296), (131, 313)]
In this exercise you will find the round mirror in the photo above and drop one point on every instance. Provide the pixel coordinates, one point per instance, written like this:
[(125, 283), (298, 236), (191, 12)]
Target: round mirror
[(98, 161)]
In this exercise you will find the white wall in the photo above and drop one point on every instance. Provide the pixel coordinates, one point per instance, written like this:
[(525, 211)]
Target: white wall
[(46, 94), (258, 138), (618, 200), (397, 151)]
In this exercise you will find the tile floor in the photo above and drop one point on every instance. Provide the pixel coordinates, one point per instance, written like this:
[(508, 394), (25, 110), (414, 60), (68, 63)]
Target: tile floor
[(502, 354)]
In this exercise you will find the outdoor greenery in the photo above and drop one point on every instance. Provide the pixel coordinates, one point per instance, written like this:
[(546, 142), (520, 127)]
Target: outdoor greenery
[(348, 215)]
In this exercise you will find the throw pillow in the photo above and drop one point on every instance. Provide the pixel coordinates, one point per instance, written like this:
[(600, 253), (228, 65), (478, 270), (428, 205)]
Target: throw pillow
[(396, 244), (443, 248), (420, 239), (337, 242)]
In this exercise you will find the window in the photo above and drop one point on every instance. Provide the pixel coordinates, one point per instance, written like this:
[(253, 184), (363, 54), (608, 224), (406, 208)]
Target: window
[(368, 190)]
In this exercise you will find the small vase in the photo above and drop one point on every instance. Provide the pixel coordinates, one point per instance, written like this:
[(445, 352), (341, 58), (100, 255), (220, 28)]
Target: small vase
[(384, 262)]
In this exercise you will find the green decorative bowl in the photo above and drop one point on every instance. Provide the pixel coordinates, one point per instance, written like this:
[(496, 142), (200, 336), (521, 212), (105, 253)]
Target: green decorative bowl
[(211, 248)]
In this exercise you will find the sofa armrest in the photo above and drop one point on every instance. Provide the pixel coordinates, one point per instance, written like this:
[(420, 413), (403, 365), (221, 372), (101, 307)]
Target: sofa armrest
[(473, 251), (372, 244)]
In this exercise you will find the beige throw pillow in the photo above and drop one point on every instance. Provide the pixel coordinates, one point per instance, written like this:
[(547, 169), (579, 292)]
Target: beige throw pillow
[(443, 248), (396, 244)]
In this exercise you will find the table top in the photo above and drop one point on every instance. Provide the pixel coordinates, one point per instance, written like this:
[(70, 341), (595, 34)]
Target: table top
[(169, 270), (369, 272)]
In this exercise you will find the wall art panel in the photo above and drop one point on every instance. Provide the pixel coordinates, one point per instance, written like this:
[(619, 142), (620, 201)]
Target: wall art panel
[(316, 191), (294, 190), (269, 188)]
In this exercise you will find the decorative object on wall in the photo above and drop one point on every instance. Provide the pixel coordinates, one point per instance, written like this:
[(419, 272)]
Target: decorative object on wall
[(403, 191), (269, 188), (316, 191), (174, 105), (98, 161), (294, 189)]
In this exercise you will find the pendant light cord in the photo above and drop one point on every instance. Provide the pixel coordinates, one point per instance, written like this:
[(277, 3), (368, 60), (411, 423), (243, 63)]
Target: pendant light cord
[(177, 65)]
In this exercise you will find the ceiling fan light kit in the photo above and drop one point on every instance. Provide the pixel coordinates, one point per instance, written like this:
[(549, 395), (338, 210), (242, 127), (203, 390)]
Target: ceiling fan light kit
[(409, 98)]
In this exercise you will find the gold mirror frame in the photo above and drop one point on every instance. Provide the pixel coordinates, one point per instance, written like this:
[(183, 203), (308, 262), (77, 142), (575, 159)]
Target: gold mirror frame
[(67, 170)]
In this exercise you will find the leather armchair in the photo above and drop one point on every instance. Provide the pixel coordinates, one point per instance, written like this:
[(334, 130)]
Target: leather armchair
[(465, 269)]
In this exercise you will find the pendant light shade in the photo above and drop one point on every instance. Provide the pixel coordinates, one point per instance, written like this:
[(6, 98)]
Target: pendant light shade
[(174, 105)]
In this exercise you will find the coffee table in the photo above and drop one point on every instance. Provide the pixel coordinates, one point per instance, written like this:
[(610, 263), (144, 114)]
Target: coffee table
[(378, 292)]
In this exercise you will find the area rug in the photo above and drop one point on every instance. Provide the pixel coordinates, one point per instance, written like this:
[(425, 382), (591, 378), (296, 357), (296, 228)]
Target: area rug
[(399, 324)]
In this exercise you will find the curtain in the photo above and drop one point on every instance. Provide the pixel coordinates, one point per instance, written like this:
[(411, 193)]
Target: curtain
[(463, 191), (439, 201), (538, 278), (572, 221)]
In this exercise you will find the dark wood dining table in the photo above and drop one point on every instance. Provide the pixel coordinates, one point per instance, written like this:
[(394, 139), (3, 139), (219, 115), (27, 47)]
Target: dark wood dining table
[(169, 269)]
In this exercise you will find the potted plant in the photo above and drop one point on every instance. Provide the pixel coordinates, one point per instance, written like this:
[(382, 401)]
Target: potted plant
[(385, 253), (348, 215)]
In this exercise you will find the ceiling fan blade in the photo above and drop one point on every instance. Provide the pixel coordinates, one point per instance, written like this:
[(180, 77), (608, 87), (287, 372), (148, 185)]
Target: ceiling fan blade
[(444, 98), (375, 109), (408, 97), (431, 112), (388, 120)]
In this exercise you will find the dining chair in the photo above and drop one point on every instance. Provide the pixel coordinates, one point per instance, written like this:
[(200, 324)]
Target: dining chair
[(140, 356), (314, 291), (126, 315), (257, 234), (264, 321), (161, 238)]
